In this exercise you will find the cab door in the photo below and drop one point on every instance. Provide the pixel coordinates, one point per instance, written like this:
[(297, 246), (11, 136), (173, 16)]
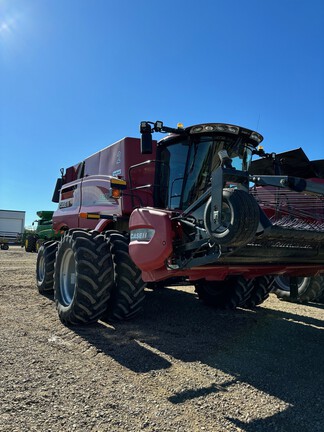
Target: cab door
[(67, 214), (95, 198)]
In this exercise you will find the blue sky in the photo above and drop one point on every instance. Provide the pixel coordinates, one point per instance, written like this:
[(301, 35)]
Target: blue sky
[(77, 75)]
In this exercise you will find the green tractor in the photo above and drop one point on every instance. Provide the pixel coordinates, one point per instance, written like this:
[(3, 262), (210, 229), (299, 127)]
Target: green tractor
[(43, 232)]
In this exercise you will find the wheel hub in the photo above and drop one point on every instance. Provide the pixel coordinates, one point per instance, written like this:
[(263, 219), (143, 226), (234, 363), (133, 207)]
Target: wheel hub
[(67, 277)]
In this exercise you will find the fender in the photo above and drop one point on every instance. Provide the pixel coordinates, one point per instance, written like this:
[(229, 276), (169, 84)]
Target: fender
[(102, 225), (150, 238)]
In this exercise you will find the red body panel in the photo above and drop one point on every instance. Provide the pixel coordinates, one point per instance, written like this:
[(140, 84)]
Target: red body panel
[(151, 254), (86, 184), (220, 272)]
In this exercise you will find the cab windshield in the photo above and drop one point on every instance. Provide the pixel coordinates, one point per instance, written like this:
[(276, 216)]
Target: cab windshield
[(184, 173)]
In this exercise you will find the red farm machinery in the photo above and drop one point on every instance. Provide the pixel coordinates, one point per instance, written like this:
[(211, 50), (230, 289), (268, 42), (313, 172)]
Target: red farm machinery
[(192, 209)]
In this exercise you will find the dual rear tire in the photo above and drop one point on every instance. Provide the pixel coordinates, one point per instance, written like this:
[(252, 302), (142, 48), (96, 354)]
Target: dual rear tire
[(92, 276), (127, 294), (82, 277)]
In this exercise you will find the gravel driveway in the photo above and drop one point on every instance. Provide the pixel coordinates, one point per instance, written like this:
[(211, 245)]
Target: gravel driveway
[(179, 367)]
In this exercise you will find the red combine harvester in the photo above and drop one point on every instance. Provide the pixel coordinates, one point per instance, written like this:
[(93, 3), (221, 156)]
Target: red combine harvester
[(187, 214)]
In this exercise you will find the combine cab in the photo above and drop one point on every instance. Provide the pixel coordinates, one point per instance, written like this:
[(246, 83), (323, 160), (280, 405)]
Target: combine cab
[(180, 209)]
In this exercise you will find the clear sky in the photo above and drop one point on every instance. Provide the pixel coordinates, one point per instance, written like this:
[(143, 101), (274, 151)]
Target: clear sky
[(77, 75)]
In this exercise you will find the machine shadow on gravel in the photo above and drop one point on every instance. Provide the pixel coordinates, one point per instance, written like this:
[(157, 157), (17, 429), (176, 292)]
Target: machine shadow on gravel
[(121, 343), (276, 352)]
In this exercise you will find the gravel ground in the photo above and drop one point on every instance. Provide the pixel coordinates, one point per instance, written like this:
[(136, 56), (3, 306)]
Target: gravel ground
[(179, 367)]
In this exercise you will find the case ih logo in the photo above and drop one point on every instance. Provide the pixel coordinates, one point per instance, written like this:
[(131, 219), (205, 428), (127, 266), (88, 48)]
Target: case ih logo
[(142, 234), (65, 204)]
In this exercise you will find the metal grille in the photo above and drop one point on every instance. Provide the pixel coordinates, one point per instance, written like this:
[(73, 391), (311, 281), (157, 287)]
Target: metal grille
[(289, 209)]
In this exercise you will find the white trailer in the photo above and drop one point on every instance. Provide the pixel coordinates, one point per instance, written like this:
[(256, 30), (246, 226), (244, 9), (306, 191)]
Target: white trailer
[(12, 225)]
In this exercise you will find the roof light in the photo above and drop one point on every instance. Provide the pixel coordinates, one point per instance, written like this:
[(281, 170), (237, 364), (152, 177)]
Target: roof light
[(145, 127), (208, 128), (217, 127), (233, 129), (256, 137), (220, 128), (180, 126)]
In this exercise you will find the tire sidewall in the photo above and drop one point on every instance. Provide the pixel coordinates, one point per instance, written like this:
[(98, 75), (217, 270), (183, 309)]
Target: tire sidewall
[(45, 266), (40, 262), (225, 235), (309, 290), (65, 245), (283, 289), (243, 221)]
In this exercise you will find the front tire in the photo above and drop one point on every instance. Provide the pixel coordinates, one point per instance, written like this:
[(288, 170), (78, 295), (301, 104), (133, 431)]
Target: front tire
[(82, 277), (45, 267), (262, 287), (228, 294), (127, 294)]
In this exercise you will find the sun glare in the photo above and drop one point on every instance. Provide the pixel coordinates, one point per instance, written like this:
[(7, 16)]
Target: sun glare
[(7, 26), (4, 27), (10, 19)]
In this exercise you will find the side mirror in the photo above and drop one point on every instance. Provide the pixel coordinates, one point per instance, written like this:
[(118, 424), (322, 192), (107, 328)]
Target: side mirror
[(146, 138), (56, 194)]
